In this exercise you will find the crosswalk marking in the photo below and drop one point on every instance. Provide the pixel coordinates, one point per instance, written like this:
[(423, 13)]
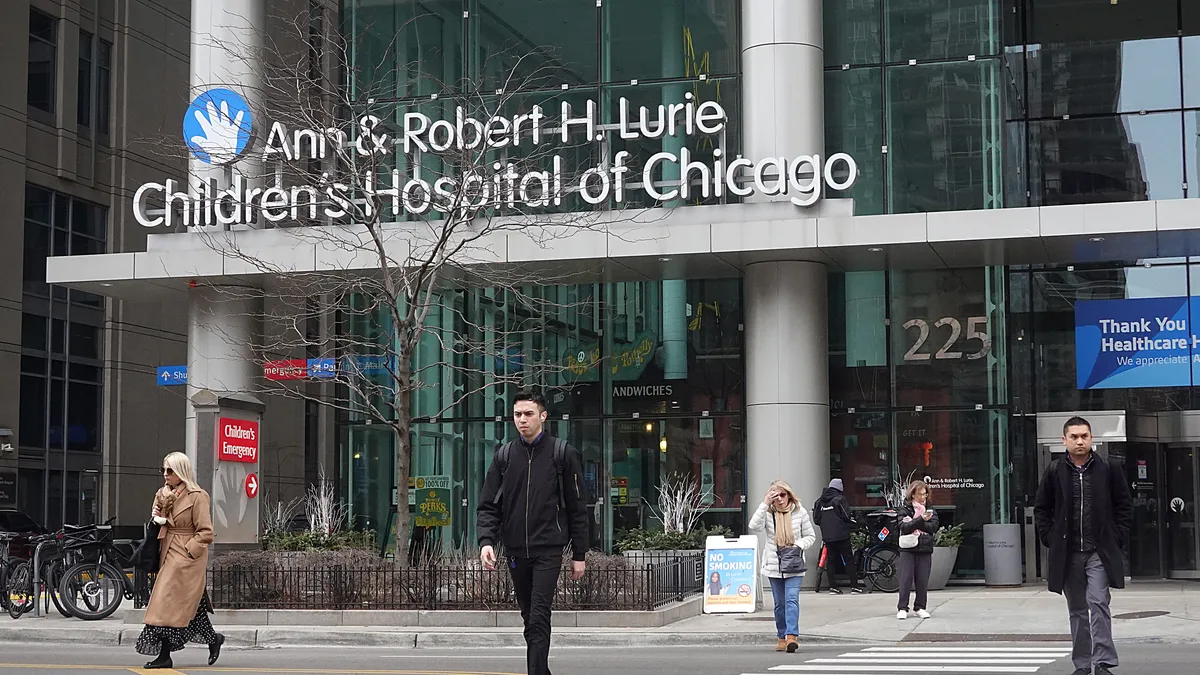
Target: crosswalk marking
[(906, 668), (966, 659)]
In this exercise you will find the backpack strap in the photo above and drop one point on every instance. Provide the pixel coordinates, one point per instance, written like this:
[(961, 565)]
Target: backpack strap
[(502, 454), (560, 462)]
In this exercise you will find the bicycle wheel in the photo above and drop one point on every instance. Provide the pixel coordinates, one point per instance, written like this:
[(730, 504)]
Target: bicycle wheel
[(20, 589), (881, 569), (4, 567), (54, 574), (92, 591)]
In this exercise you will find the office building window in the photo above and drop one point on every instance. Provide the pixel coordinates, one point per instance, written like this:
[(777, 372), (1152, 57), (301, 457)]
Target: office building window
[(86, 45), (43, 48), (103, 83)]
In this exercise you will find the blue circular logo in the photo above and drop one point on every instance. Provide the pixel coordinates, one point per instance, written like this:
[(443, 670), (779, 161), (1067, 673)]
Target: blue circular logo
[(217, 126)]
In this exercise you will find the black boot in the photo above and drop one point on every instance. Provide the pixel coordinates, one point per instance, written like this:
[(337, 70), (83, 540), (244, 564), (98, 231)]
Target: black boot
[(163, 660), (214, 649)]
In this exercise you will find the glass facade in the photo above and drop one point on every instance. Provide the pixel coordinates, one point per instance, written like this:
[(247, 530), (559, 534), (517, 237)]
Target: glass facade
[(644, 378), (936, 373)]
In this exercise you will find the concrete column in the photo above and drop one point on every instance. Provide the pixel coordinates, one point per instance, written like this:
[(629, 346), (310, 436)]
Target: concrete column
[(227, 42), (783, 93), (787, 380)]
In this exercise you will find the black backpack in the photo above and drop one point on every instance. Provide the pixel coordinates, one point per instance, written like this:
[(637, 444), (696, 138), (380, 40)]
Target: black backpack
[(560, 457)]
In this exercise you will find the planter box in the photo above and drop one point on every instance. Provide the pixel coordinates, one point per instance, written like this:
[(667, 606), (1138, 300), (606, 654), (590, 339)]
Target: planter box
[(942, 566)]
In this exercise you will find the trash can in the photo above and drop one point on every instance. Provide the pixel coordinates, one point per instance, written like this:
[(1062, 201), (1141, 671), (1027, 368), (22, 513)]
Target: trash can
[(1002, 555)]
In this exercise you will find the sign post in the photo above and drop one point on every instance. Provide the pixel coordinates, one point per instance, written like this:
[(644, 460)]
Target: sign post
[(731, 575)]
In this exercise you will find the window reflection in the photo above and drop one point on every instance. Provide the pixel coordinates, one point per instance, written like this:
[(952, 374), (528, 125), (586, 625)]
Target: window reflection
[(852, 32), (670, 38), (854, 125), (944, 131), (1108, 159), (941, 29), (1103, 77), (1086, 20)]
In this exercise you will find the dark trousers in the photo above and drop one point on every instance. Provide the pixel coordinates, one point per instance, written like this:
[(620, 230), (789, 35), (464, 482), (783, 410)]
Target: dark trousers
[(534, 582), (840, 555), (914, 571)]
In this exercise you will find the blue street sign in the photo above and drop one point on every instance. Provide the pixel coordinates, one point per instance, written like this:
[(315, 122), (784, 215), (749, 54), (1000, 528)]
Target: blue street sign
[(368, 364), (168, 376), (322, 368)]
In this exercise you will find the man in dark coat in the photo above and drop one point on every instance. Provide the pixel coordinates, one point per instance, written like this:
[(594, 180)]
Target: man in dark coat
[(831, 514), (1083, 515)]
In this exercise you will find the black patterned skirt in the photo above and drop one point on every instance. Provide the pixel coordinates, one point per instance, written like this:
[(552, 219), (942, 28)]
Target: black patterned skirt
[(199, 629)]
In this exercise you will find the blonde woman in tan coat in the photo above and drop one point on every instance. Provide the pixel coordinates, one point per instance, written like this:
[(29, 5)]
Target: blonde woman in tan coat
[(179, 607)]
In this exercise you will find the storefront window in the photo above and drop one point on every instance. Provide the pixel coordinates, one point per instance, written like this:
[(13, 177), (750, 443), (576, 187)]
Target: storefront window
[(858, 372), (1054, 294), (963, 456), (861, 455)]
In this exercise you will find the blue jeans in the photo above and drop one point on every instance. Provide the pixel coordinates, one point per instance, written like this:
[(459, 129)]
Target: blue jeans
[(786, 593)]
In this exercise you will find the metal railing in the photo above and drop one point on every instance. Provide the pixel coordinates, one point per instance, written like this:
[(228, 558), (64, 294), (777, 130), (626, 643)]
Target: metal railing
[(612, 587)]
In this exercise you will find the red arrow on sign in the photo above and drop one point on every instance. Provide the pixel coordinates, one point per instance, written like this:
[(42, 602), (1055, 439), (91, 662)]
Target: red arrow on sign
[(252, 486)]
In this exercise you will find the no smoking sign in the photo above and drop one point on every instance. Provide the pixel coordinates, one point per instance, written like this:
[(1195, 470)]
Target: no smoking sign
[(252, 486)]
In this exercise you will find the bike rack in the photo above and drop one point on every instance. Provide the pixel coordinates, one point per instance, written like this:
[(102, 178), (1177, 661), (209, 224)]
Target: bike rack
[(37, 581)]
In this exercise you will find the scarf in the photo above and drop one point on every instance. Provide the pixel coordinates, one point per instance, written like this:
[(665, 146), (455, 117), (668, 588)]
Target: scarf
[(918, 510), (784, 535)]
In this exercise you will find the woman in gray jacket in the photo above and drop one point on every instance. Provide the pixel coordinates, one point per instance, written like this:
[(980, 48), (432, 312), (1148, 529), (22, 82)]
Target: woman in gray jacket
[(786, 524)]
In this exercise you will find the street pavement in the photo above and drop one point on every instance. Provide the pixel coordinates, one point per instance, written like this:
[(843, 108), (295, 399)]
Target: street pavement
[(1034, 658)]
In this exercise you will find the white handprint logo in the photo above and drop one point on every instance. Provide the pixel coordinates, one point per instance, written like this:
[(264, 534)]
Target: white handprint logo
[(217, 126)]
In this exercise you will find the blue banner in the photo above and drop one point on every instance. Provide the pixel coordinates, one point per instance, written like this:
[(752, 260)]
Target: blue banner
[(1147, 342)]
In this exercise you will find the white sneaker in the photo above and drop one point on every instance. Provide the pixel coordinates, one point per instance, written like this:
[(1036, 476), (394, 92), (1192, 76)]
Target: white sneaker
[(902, 615), (923, 614)]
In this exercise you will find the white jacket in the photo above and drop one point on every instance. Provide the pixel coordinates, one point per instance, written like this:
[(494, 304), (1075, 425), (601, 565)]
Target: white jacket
[(764, 521)]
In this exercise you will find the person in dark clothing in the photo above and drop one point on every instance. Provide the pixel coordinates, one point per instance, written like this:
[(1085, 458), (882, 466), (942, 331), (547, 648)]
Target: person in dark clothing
[(533, 503), (916, 562), (833, 516), (1083, 515)]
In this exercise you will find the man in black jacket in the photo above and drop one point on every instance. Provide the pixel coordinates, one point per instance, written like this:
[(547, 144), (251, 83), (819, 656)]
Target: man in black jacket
[(1083, 515), (833, 517), (533, 502)]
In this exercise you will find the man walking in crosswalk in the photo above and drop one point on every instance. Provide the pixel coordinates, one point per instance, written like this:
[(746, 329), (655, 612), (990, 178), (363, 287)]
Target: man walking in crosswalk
[(1083, 515)]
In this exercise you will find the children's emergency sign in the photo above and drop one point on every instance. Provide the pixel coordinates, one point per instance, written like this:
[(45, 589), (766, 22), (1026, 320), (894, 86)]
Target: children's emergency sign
[(730, 575)]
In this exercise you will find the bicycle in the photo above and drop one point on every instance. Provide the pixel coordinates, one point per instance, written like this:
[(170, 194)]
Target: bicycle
[(53, 554), (93, 588), (878, 558)]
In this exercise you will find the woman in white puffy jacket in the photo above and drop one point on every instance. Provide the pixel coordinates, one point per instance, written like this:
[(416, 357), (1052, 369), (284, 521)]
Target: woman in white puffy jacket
[(787, 525)]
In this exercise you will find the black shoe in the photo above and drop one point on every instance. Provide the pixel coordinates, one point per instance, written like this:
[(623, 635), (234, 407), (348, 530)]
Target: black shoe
[(214, 649), (835, 591), (858, 589), (163, 661), (1104, 669)]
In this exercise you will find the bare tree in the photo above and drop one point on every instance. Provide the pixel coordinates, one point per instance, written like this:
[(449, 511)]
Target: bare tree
[(410, 196)]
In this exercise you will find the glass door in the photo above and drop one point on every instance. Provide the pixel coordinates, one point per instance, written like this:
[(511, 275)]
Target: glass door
[(1183, 546)]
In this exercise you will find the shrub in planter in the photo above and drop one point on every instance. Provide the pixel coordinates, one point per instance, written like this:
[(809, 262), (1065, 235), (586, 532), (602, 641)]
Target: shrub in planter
[(641, 539), (945, 553)]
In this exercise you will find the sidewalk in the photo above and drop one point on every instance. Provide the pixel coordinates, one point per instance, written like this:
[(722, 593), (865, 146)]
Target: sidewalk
[(1147, 612)]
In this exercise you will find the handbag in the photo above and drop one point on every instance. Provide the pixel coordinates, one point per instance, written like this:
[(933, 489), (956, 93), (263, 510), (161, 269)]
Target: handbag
[(910, 540), (146, 554), (791, 560)]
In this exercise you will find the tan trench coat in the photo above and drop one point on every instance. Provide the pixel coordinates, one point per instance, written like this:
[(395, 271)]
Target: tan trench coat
[(182, 573)]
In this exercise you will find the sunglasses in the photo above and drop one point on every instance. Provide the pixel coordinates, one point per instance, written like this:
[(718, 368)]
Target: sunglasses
[(168, 472)]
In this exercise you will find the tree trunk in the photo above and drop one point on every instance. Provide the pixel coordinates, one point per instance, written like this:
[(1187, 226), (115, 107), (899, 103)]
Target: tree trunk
[(403, 429)]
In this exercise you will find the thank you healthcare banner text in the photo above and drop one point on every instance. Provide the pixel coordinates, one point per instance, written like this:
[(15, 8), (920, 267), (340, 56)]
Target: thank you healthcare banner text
[(1144, 342)]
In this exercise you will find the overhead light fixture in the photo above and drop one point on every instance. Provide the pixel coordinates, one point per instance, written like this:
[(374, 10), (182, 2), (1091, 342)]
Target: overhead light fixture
[(1096, 239), (664, 259), (875, 249), (649, 426), (662, 444), (105, 284)]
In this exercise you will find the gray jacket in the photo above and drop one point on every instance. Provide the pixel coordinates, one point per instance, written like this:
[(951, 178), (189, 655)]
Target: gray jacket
[(764, 521)]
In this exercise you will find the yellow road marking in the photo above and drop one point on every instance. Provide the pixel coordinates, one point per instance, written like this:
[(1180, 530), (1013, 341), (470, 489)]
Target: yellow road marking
[(44, 666), (164, 671)]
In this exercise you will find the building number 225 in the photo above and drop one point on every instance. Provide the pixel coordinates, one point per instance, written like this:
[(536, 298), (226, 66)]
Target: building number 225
[(976, 330)]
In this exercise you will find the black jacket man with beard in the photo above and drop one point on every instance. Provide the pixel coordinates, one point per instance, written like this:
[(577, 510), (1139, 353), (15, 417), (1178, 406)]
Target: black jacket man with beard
[(1083, 515), (533, 502)]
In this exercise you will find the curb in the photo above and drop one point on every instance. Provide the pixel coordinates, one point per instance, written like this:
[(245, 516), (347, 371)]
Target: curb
[(281, 638)]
